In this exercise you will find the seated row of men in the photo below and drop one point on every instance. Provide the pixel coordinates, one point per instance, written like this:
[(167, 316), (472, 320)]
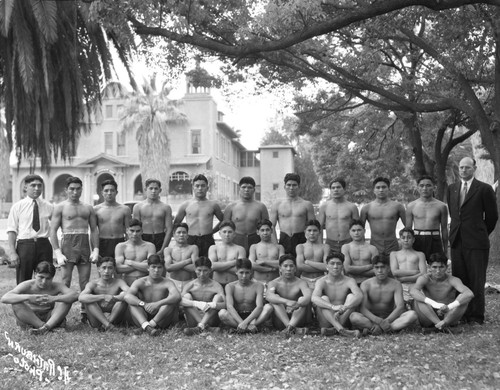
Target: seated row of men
[(153, 301)]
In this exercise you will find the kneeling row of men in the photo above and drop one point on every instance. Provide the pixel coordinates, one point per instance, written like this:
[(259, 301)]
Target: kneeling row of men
[(375, 307)]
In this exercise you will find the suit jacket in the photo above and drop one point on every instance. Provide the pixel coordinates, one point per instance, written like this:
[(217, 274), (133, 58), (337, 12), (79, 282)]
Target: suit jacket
[(476, 218)]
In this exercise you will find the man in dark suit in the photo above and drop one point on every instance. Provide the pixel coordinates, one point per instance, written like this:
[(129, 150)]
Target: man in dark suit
[(474, 214)]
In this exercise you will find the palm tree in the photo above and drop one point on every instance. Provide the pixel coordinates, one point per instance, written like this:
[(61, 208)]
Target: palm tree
[(150, 115), (53, 57)]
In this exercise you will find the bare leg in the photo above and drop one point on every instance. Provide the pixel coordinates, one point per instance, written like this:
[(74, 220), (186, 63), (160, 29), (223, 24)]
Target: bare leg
[(452, 317), (281, 314), (118, 312), (167, 315), (359, 321), (406, 319), (67, 273), (83, 274), (138, 315), (267, 311), (228, 319), (96, 315), (426, 314), (59, 313), (26, 315)]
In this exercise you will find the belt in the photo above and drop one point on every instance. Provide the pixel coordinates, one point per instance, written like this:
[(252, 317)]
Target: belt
[(427, 233), (25, 240)]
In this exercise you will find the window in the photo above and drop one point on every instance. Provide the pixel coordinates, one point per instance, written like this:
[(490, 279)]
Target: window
[(120, 144), (180, 176), (276, 154), (275, 186), (109, 111), (195, 141), (108, 143), (217, 144)]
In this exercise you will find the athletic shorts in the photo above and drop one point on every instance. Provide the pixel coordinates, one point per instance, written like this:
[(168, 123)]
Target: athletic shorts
[(155, 238), (76, 248), (180, 283), (290, 243), (336, 246), (202, 242), (107, 246), (311, 282), (428, 243), (244, 314), (385, 246), (246, 240)]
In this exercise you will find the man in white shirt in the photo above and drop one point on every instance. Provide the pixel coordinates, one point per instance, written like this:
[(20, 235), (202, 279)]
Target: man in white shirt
[(28, 223)]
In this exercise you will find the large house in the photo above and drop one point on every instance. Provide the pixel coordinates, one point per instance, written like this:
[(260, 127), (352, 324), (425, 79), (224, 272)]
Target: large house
[(204, 144)]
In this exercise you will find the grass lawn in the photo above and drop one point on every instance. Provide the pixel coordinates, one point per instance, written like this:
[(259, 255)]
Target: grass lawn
[(470, 360)]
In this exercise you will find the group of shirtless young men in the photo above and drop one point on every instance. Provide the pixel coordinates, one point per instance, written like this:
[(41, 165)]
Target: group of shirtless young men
[(249, 279)]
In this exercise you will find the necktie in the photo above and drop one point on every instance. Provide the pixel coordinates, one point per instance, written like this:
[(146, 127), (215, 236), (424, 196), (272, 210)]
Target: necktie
[(36, 217), (463, 193)]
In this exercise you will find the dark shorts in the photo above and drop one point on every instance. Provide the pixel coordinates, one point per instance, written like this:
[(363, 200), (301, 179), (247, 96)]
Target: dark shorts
[(336, 246), (76, 248), (290, 243), (156, 238), (107, 246), (202, 242), (428, 243), (246, 240), (385, 246), (244, 314)]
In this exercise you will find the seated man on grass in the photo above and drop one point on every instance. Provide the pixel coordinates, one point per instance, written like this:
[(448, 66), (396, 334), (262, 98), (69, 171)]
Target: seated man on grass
[(244, 301), (383, 308), (40, 303), (440, 299), (290, 298), (407, 264), (265, 254), (153, 299), (336, 296), (180, 257), (202, 299), (103, 298)]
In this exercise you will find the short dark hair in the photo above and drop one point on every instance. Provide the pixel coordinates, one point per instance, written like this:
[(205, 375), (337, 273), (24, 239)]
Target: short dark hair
[(200, 177), (203, 261), (407, 230), (263, 222), (355, 222), (426, 177), (438, 257), (105, 259), (247, 180), (335, 255), (243, 263), (383, 258), (379, 179), (109, 182), (73, 180), (227, 223), (134, 222), (292, 176), (28, 179), (180, 225), (313, 222), (284, 258), (156, 259), (152, 181), (339, 180), (45, 267)]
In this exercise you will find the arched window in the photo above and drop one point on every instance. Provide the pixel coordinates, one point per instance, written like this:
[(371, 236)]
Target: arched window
[(180, 183)]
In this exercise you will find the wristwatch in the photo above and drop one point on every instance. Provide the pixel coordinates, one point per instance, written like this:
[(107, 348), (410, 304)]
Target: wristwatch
[(141, 303)]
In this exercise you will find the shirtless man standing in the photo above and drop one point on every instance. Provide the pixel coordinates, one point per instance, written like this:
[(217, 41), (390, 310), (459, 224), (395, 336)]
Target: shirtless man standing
[(74, 218), (336, 296), (436, 301), (311, 256), (180, 258), (105, 296), (264, 255), (290, 298), (132, 255), (199, 213), (153, 299), (245, 213), (429, 218), (292, 214), (41, 303), (407, 264), (358, 253), (383, 215), (224, 254), (112, 220), (383, 308), (336, 214), (244, 301), (202, 299), (156, 217)]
